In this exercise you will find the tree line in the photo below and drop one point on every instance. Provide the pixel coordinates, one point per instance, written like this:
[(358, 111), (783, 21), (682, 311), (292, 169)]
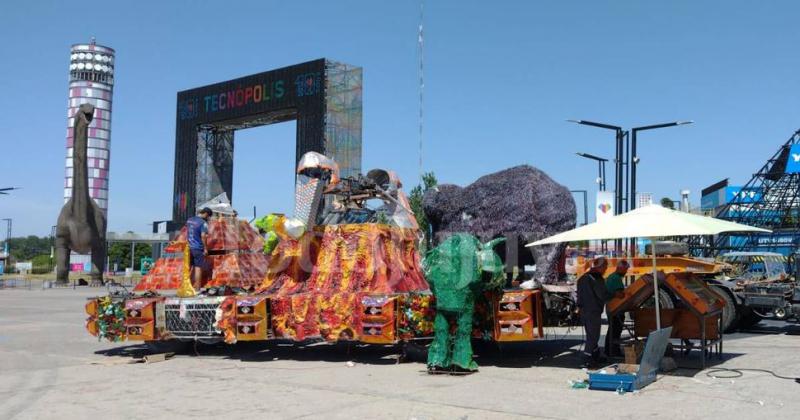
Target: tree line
[(37, 249)]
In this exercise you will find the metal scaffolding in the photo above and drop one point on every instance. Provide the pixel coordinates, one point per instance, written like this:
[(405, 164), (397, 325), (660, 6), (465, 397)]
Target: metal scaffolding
[(214, 162), (770, 200), (343, 112)]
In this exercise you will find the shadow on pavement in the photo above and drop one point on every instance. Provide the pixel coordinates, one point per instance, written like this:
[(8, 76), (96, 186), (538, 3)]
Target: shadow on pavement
[(558, 353), (769, 326)]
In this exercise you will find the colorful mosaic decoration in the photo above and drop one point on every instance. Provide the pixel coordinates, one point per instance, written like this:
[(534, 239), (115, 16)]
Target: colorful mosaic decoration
[(110, 319), (225, 319), (416, 314), (377, 259), (318, 285), (236, 260)]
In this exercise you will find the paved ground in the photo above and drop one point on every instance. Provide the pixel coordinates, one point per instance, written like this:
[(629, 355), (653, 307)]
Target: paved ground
[(49, 367)]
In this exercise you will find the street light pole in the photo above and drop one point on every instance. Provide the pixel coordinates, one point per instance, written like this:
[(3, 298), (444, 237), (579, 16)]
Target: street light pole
[(601, 168), (8, 235), (635, 157), (620, 134), (585, 205), (634, 160)]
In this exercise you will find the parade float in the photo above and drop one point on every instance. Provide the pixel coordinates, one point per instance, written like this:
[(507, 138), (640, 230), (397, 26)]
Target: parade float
[(351, 272)]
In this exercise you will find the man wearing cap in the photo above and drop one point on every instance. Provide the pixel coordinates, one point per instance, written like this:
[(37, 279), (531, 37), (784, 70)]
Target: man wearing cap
[(196, 230), (592, 297)]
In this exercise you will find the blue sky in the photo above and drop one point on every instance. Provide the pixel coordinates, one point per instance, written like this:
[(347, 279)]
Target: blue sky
[(501, 79)]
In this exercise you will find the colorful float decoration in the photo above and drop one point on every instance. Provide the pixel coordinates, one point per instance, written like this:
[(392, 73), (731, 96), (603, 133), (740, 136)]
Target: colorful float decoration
[(341, 271)]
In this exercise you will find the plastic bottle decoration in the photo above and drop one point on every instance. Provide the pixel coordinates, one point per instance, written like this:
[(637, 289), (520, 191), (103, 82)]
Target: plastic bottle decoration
[(276, 227), (110, 320), (454, 270)]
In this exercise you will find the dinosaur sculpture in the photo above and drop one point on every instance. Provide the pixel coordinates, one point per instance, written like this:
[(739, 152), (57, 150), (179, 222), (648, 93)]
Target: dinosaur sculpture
[(81, 225)]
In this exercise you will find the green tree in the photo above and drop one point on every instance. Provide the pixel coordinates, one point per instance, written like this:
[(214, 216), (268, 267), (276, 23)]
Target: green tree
[(667, 203), (42, 264), (415, 199), (120, 253), (24, 248)]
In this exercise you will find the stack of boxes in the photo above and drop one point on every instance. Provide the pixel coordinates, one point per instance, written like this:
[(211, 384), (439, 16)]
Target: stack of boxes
[(378, 319), (140, 318), (251, 318), (518, 316)]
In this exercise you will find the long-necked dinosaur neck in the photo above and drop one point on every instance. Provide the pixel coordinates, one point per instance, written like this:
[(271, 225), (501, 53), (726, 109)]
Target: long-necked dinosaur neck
[(80, 178)]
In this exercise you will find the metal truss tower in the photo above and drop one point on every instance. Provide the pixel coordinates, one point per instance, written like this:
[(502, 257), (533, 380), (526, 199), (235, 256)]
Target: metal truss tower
[(771, 200)]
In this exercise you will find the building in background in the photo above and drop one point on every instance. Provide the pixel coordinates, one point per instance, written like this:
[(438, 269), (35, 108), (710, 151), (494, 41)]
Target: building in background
[(91, 80), (716, 197), (643, 199), (685, 206)]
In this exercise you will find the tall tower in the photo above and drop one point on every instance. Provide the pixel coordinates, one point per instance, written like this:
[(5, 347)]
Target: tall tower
[(91, 79)]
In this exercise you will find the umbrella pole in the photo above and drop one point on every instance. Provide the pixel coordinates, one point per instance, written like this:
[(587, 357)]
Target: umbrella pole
[(655, 283)]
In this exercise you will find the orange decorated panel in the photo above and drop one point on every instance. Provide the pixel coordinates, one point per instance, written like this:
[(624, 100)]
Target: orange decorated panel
[(141, 308), (251, 318), (91, 326), (166, 274), (519, 316), (684, 323), (251, 329), (367, 258), (140, 329), (91, 308), (518, 329), (378, 332)]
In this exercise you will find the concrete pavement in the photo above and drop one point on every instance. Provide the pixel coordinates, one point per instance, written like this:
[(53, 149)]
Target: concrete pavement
[(51, 368)]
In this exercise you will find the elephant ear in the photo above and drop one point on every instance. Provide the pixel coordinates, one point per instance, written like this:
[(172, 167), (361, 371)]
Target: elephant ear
[(493, 243), (489, 260)]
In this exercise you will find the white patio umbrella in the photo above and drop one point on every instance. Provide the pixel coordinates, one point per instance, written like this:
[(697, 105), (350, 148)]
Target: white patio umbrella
[(650, 222)]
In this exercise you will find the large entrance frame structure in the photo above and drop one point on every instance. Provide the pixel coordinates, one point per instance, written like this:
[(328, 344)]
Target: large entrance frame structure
[(323, 96)]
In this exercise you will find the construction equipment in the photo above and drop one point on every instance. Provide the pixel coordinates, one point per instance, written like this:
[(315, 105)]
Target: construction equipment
[(753, 285), (760, 286), (696, 315)]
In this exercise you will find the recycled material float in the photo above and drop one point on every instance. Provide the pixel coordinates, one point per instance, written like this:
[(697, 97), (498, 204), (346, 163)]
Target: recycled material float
[(353, 274)]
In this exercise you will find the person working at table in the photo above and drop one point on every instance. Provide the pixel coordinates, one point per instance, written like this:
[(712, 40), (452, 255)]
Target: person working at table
[(614, 288), (592, 297)]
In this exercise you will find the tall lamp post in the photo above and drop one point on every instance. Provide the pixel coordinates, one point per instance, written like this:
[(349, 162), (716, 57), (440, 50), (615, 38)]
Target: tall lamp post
[(601, 168), (635, 157), (618, 172), (635, 161), (585, 205), (8, 235)]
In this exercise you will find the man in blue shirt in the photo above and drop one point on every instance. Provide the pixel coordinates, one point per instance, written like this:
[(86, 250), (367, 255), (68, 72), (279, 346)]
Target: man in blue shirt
[(196, 230)]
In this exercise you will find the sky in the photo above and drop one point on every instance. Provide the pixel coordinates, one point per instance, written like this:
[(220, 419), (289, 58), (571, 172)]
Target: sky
[(501, 79)]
